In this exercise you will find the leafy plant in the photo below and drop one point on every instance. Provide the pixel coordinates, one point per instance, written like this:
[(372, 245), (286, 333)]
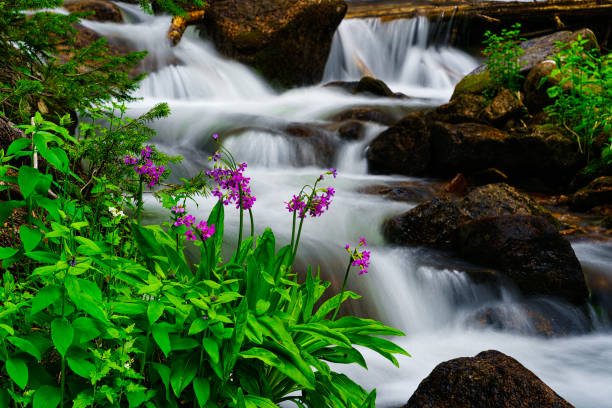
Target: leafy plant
[(503, 52), (582, 94), (101, 311)]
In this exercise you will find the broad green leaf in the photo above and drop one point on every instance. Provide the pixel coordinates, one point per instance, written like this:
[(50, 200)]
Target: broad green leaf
[(197, 326), (259, 402), (81, 367), (7, 252), (201, 387), (283, 365), (18, 145), (18, 371), (183, 373), (43, 256), (47, 397), (27, 179), (46, 296), (26, 346), (212, 349), (30, 237), (382, 346), (160, 334), (62, 334), (85, 329), (154, 311)]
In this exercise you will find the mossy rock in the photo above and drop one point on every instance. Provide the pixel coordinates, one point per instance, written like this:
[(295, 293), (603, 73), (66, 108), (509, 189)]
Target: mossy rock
[(473, 83)]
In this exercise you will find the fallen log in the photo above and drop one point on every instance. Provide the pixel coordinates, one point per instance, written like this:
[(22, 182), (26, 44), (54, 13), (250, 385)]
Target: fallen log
[(180, 23), (476, 17)]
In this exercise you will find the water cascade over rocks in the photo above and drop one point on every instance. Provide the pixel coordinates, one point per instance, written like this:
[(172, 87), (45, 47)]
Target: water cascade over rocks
[(283, 136)]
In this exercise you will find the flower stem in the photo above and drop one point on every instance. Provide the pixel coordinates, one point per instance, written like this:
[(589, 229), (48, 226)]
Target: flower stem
[(346, 274), (139, 202), (241, 219), (252, 223)]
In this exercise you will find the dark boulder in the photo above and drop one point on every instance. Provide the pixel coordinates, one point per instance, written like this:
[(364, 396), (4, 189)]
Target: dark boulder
[(536, 95), (101, 10), (504, 106), (404, 148), (597, 193), (466, 147), (409, 191), (489, 380), (496, 226), (529, 250), (288, 41), (381, 115), (465, 107)]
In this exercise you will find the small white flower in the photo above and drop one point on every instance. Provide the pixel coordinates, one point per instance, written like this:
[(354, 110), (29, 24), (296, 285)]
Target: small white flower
[(115, 212), (127, 365)]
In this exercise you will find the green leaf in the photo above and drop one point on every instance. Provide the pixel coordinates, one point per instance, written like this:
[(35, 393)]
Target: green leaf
[(43, 256), (7, 252), (279, 362), (81, 367), (47, 397), (198, 326), (18, 145), (160, 334), (183, 372), (18, 371), (259, 402), (25, 346), (27, 179), (85, 329), (155, 311), (30, 237), (46, 296), (62, 334), (201, 387)]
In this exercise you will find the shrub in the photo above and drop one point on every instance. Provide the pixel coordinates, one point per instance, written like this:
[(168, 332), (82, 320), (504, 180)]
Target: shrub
[(503, 52), (101, 311), (583, 94)]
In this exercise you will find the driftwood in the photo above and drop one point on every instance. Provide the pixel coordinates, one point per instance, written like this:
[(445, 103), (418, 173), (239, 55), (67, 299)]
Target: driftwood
[(180, 23), (473, 18)]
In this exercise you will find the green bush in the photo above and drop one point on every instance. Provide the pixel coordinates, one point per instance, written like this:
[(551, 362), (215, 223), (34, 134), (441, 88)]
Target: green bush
[(583, 95), (101, 311), (503, 54)]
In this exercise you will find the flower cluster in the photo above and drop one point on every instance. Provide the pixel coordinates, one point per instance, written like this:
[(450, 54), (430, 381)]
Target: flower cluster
[(232, 184), (146, 167), (205, 230), (177, 209), (115, 212), (315, 205), (360, 259)]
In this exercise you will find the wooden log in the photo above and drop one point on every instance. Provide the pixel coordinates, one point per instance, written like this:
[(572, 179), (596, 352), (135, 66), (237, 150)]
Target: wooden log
[(180, 23), (477, 17)]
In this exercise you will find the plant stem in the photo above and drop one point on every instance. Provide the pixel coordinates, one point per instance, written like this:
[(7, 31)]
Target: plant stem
[(139, 202), (252, 223), (241, 219), (346, 274)]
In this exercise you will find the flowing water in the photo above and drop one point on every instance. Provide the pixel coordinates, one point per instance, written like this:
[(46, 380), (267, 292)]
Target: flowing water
[(434, 302)]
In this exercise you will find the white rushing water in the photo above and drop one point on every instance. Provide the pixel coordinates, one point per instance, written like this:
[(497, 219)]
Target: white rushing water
[(437, 306)]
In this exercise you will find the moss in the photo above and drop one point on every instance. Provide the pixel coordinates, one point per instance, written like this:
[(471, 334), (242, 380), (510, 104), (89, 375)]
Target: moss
[(474, 83)]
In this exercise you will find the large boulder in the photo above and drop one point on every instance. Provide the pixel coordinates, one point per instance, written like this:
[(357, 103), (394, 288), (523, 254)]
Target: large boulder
[(597, 193), (491, 379), (101, 10), (404, 148), (496, 226), (288, 41)]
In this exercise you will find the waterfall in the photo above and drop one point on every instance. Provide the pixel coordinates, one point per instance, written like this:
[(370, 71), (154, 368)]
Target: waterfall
[(398, 52), (436, 305)]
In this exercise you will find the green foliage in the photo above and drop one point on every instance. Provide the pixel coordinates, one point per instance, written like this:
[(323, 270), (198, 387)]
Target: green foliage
[(582, 95), (100, 311), (503, 52), (44, 69)]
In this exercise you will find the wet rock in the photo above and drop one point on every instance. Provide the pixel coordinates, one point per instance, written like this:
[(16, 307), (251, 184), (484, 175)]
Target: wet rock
[(463, 108), (536, 95), (383, 116), (102, 10), (351, 130), (544, 48), (489, 380), (543, 317), (597, 193), (404, 148), (288, 41), (466, 147), (475, 82), (496, 226), (373, 86), (458, 185), (323, 143), (504, 106), (529, 250), (409, 191)]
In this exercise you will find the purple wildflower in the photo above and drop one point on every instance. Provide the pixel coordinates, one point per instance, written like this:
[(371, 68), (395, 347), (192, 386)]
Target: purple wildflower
[(147, 168), (215, 136), (298, 205), (177, 209), (333, 172), (231, 185), (360, 259)]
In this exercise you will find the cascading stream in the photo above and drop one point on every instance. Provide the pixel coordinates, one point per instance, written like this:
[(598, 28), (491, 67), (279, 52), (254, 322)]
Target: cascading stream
[(436, 306)]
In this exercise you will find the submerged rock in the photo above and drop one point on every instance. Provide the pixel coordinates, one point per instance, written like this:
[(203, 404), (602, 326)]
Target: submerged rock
[(287, 41), (495, 225), (491, 379), (597, 193), (102, 10)]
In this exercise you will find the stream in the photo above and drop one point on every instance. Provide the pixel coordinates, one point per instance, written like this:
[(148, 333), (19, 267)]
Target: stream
[(434, 302)]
